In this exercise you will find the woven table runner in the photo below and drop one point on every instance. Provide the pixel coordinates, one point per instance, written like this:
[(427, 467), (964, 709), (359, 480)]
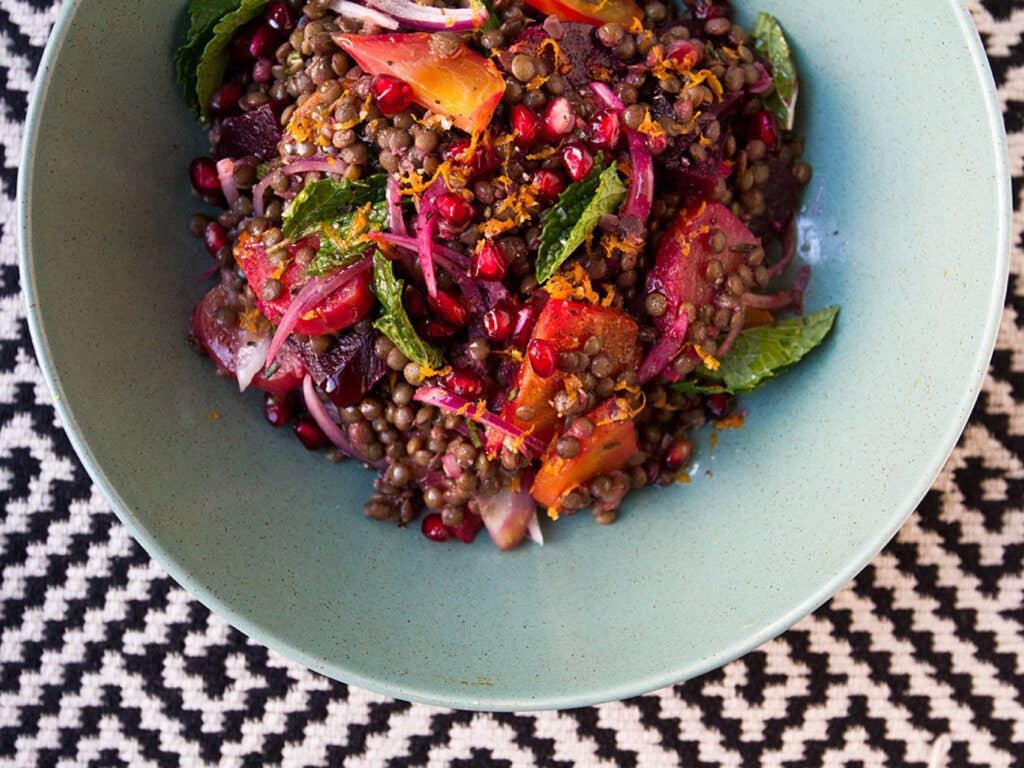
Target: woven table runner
[(105, 661)]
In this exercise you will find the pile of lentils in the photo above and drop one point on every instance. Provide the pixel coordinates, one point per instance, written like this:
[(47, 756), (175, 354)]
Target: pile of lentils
[(289, 54)]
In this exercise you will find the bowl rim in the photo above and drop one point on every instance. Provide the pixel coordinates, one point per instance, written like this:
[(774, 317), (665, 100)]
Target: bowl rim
[(449, 697)]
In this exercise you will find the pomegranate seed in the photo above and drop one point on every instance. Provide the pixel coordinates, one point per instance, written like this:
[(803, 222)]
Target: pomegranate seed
[(577, 160), (678, 454), (434, 529), (456, 210), (449, 308), (484, 159), (543, 358), (604, 131), (464, 383), (719, 404), (497, 323), (525, 319), (261, 70), (685, 52), (263, 42), (225, 99), (763, 127), (413, 302), (657, 143), (309, 434), (526, 126), (435, 330), (392, 95), (279, 16), (559, 119), (550, 184), (203, 173), (489, 263), (470, 526), (278, 410), (215, 238)]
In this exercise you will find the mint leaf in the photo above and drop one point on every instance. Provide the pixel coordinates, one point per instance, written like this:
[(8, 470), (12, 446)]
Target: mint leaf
[(696, 388), (493, 22), (325, 200), (394, 322), (770, 42), (341, 241), (203, 16), (574, 217), (760, 353), (214, 61)]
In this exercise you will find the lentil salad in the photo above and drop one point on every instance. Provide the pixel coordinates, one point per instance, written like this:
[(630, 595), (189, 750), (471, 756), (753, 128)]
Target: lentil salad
[(509, 255)]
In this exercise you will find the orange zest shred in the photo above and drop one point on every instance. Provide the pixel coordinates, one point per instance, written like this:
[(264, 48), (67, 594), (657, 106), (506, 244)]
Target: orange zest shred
[(708, 77), (650, 127), (427, 372), (542, 154), (511, 352), (213, 415), (578, 286), (732, 421), (683, 477), (710, 362), (520, 206), (553, 513), (251, 320)]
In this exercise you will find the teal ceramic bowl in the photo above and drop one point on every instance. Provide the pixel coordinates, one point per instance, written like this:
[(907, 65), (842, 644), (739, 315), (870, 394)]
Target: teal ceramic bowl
[(906, 224)]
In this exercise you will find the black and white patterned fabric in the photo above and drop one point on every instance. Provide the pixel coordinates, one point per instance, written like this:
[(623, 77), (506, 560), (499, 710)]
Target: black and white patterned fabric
[(105, 661)]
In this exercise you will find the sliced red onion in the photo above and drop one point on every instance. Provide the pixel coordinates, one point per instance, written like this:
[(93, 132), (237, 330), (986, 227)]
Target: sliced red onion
[(788, 250), (396, 221), (312, 293), (641, 183), (208, 273), (426, 223), (450, 465), (533, 524), (730, 337), (458, 260), (249, 360), (507, 516), (460, 406), (764, 80), (428, 19), (329, 427), (226, 176), (361, 13), (665, 349), (320, 164), (452, 262)]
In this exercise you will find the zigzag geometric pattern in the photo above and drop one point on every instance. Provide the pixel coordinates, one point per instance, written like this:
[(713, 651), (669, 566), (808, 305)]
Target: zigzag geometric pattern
[(105, 661)]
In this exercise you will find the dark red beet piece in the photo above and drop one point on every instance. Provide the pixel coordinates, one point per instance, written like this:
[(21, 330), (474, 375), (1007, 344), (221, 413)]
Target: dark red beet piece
[(256, 132), (346, 371), (580, 49)]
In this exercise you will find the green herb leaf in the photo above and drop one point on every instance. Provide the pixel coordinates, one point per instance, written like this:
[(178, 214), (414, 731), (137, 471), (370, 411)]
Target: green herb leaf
[(214, 61), (574, 217), (696, 388), (770, 43), (493, 22), (203, 17), (760, 353), (394, 322), (474, 434), (341, 240), (325, 200)]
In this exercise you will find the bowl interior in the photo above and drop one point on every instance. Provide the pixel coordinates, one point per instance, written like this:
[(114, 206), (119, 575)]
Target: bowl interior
[(904, 223)]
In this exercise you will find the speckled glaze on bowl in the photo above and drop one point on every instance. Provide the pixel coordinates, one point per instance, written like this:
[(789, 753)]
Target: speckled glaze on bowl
[(906, 224)]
